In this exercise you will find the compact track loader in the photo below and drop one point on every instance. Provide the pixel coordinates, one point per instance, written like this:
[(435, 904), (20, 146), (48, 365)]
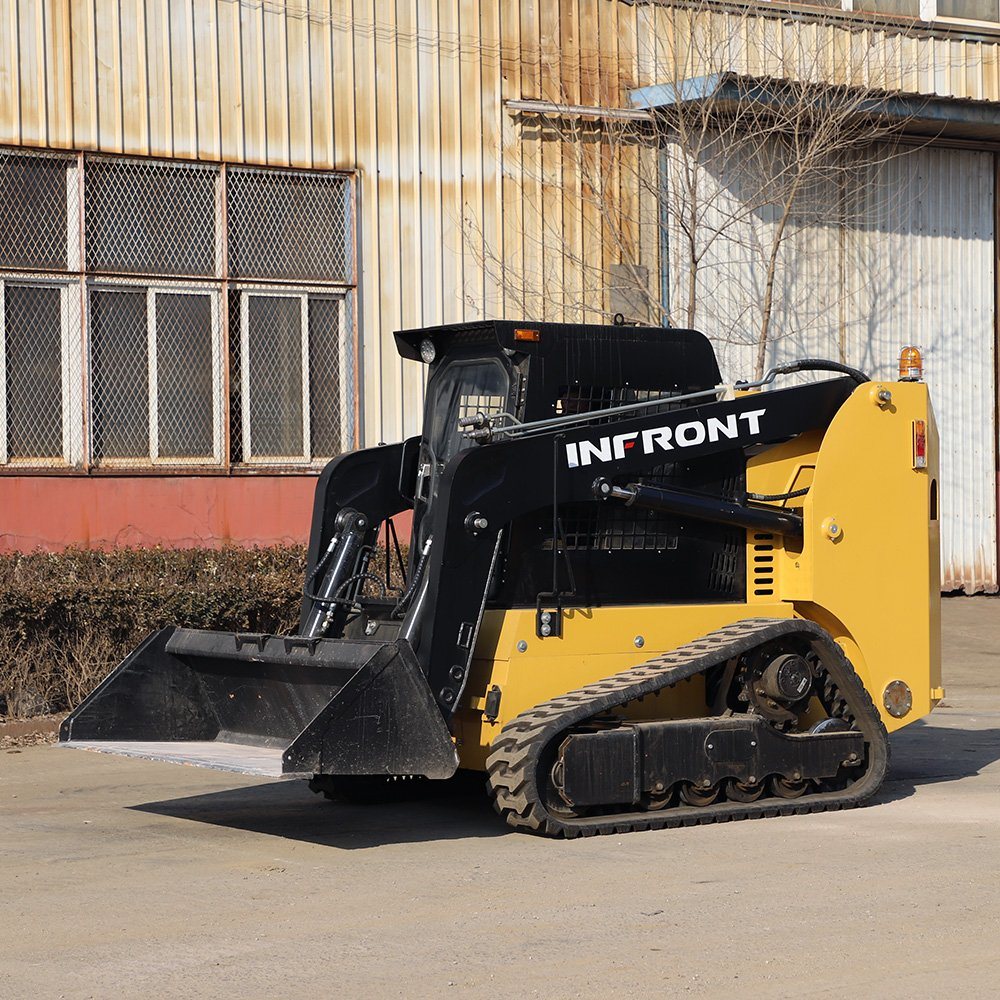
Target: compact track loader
[(636, 598)]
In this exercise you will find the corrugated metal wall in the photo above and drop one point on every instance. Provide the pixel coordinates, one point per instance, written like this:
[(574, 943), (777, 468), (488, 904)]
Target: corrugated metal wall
[(911, 262)]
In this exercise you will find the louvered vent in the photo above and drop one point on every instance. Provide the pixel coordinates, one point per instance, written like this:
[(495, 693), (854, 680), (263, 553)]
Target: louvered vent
[(763, 565)]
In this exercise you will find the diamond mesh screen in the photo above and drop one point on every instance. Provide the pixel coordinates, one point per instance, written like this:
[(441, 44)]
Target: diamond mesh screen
[(327, 331), (272, 377), (33, 347), (150, 217), (119, 374), (33, 210), (288, 350), (186, 367), (289, 225), (155, 375)]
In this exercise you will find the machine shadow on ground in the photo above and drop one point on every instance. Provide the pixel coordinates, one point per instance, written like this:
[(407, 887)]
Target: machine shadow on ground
[(925, 754), (451, 810), (458, 809)]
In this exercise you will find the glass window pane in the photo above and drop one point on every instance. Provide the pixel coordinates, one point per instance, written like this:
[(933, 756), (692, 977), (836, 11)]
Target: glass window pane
[(150, 217), (184, 382), (324, 377), (33, 215), (119, 374), (33, 342), (970, 10), (274, 376)]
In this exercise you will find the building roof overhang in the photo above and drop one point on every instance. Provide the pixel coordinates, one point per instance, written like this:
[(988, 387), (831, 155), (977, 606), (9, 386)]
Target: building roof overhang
[(926, 115)]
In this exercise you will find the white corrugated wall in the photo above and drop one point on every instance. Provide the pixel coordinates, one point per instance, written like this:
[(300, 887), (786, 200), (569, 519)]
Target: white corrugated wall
[(910, 261)]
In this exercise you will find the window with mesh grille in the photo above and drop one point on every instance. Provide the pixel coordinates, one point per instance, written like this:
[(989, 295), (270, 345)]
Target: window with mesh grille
[(289, 349), (150, 217), (155, 375), (132, 306), (31, 363), (34, 219), (288, 224)]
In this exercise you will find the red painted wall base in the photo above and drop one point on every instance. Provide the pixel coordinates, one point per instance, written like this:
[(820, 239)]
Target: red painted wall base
[(53, 512)]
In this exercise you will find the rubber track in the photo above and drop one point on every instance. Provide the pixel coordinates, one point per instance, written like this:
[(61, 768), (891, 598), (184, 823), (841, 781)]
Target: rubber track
[(514, 761)]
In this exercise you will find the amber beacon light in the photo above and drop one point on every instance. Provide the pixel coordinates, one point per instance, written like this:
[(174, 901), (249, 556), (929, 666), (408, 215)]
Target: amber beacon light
[(911, 365)]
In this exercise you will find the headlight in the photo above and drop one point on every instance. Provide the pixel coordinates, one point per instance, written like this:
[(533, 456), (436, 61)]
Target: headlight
[(427, 352)]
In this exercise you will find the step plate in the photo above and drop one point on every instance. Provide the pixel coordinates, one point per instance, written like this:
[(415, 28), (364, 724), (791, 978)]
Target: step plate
[(264, 762)]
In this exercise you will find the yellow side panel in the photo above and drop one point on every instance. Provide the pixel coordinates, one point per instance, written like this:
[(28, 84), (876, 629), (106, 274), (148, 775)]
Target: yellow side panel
[(867, 569), (596, 643)]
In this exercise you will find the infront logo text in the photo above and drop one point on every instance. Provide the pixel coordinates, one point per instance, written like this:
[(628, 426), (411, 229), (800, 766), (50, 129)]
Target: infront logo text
[(685, 435)]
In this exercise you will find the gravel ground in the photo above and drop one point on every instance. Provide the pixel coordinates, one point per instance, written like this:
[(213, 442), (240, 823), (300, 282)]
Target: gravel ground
[(123, 878)]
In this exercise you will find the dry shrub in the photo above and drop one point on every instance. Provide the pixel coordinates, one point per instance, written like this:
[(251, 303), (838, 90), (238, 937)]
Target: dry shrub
[(67, 619)]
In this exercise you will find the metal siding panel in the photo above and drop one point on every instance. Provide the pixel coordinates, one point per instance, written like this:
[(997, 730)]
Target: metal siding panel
[(109, 75), (231, 87), (31, 49), (253, 104), (451, 163), (10, 75), (135, 108), (207, 75), (429, 127), (158, 74), (410, 261), (344, 99), (83, 60), (386, 183), (275, 50), (492, 153), (320, 84), (512, 222), (300, 94), (60, 83), (366, 152), (470, 218)]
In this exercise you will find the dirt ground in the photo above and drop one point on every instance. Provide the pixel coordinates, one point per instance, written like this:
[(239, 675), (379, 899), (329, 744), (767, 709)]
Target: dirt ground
[(122, 878)]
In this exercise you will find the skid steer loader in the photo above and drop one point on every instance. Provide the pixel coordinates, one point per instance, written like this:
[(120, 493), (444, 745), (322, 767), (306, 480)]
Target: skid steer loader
[(636, 598)]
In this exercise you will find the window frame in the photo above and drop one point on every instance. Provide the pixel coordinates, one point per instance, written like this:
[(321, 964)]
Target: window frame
[(71, 368), (305, 295), (154, 459)]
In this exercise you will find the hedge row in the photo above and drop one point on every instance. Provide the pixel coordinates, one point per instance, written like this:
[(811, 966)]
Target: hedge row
[(66, 619)]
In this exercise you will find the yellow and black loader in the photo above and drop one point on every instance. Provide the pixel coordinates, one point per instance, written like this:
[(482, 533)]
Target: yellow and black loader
[(635, 597)]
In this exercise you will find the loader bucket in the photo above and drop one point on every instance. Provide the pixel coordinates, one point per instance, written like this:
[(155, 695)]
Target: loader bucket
[(273, 706)]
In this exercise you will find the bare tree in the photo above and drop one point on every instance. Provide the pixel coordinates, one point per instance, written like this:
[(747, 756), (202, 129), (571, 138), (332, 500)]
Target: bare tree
[(713, 184)]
